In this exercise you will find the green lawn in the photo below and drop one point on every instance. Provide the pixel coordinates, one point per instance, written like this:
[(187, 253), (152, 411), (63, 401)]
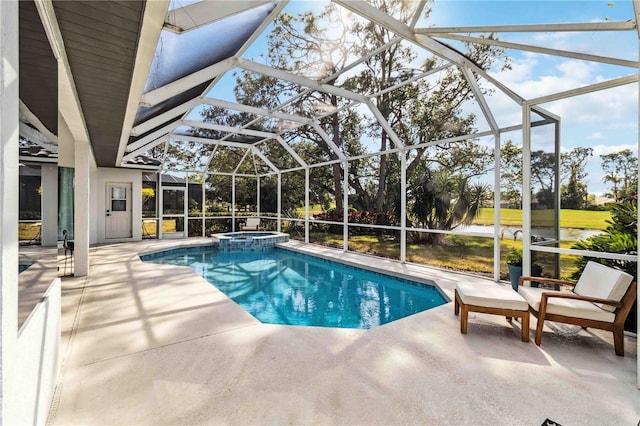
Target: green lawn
[(313, 210), (474, 254), (580, 219), (461, 253), (29, 231)]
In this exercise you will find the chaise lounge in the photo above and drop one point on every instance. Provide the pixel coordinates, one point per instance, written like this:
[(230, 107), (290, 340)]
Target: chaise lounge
[(252, 224), (602, 298)]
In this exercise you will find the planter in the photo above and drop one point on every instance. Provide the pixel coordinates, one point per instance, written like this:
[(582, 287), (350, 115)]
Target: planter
[(515, 272)]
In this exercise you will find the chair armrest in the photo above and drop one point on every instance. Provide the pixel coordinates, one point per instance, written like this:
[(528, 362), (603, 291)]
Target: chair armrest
[(580, 297), (545, 280)]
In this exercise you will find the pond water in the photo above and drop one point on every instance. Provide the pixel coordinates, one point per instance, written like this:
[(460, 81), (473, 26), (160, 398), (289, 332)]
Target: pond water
[(566, 234)]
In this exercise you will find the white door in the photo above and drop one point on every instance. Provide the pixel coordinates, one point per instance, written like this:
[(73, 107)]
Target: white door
[(118, 214)]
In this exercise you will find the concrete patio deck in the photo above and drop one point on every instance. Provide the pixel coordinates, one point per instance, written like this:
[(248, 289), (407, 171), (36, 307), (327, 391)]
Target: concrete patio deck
[(155, 344)]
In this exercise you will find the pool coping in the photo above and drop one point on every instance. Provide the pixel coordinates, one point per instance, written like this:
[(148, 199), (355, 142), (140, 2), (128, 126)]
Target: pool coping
[(409, 279), (444, 280), (155, 345)]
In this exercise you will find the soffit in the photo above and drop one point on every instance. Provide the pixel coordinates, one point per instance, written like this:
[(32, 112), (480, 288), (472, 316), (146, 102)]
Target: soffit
[(101, 39), (38, 68)]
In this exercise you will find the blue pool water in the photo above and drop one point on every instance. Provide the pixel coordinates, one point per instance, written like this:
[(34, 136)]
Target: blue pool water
[(281, 287)]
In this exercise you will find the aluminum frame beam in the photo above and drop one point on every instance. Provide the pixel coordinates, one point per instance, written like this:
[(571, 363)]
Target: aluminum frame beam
[(152, 136), (256, 111), (147, 42), (229, 129), (543, 50), (187, 82), (35, 122), (486, 111), (36, 137), (369, 12), (154, 122), (207, 141), (531, 28), (133, 154), (584, 90), (299, 80), (187, 18), (274, 13)]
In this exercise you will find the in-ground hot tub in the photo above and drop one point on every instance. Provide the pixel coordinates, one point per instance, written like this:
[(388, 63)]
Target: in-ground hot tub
[(249, 240)]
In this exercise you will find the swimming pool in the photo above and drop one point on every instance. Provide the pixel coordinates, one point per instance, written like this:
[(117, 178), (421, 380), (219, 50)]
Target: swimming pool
[(282, 287)]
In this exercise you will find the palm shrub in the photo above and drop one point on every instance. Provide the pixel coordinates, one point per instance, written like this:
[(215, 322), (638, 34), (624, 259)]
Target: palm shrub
[(620, 236), (294, 226), (443, 200)]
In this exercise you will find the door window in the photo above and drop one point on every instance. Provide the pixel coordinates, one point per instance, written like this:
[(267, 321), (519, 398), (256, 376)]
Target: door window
[(118, 199)]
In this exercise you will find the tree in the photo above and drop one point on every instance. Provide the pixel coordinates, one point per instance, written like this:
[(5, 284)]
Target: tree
[(317, 46), (573, 195), (621, 170), (419, 112), (543, 172), (511, 174)]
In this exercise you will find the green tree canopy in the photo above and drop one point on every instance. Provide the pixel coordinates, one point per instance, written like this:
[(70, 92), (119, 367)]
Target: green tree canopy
[(573, 194), (621, 171)]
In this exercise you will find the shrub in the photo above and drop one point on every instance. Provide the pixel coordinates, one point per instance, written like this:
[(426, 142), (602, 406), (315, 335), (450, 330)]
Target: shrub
[(620, 236), (514, 257)]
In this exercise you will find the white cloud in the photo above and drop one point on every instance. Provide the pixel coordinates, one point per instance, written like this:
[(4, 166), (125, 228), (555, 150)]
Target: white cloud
[(534, 76), (576, 71), (521, 70), (596, 136), (599, 150), (612, 44)]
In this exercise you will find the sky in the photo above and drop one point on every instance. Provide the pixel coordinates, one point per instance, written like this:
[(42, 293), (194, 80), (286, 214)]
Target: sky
[(606, 121)]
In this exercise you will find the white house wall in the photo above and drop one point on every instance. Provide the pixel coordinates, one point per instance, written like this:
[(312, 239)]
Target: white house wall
[(99, 195), (66, 145), (8, 207), (38, 361), (93, 206)]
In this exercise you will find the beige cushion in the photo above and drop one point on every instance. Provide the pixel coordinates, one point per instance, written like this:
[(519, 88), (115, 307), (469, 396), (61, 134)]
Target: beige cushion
[(567, 307), (251, 223), (491, 296), (603, 282)]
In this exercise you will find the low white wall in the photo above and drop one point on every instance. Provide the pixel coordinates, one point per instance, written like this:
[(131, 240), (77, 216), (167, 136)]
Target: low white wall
[(105, 175), (38, 361)]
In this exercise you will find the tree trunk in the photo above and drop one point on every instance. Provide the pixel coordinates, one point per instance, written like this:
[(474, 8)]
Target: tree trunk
[(382, 175), (337, 175)]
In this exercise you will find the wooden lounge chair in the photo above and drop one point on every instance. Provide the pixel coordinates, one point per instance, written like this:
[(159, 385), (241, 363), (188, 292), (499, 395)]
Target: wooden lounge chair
[(602, 298), (252, 224)]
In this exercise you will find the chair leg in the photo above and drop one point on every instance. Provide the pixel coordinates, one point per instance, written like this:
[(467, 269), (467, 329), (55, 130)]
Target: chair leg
[(456, 304), (618, 340), (525, 327), (539, 328), (464, 319), (542, 311)]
